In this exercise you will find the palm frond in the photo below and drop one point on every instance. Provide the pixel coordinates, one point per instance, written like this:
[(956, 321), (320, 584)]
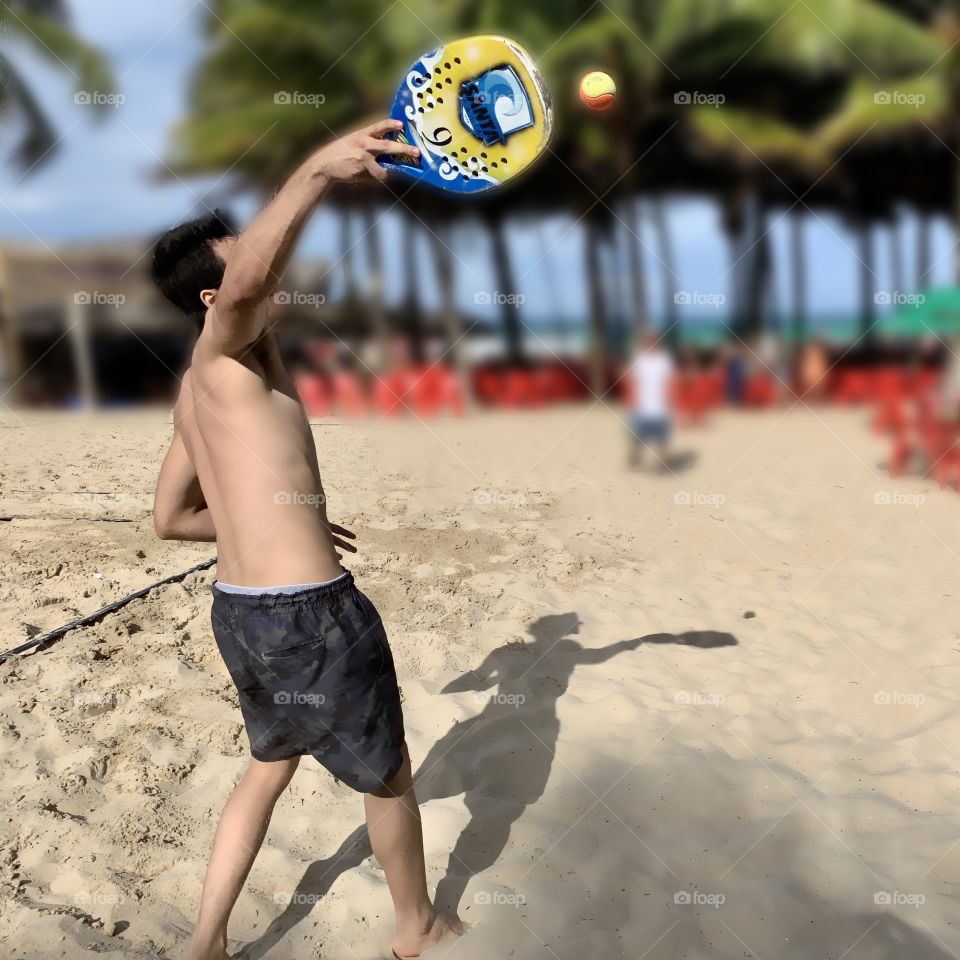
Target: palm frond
[(63, 49), (753, 140), (37, 137), (876, 111)]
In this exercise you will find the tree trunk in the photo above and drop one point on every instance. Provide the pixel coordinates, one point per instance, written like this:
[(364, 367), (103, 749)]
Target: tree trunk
[(559, 326), (346, 259), (734, 230), (956, 218), (758, 272), (375, 304), (617, 281), (412, 307), (798, 276), (923, 251), (671, 320), (594, 277), (734, 236), (439, 243), (11, 354), (897, 271), (638, 284), (506, 288), (78, 327), (867, 275)]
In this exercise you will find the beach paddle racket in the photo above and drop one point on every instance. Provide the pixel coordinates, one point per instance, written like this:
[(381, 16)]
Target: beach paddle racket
[(479, 112)]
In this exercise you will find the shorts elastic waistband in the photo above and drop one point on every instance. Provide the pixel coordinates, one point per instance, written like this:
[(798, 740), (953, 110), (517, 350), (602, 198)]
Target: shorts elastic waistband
[(267, 598), (275, 591)]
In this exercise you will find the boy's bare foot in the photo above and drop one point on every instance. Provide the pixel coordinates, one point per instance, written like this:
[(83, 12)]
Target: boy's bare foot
[(441, 928), (205, 951)]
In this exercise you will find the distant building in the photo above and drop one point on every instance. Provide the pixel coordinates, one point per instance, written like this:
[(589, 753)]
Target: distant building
[(84, 326)]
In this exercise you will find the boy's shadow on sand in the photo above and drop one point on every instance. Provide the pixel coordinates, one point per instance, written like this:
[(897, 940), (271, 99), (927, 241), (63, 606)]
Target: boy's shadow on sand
[(500, 760)]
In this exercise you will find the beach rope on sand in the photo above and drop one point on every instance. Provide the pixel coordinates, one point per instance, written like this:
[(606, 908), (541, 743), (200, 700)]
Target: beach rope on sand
[(46, 639)]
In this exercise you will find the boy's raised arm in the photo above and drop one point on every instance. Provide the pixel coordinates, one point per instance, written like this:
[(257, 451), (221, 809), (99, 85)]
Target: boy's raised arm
[(260, 255)]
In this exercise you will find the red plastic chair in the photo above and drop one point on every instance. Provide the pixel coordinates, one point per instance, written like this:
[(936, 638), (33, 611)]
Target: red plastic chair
[(890, 390), (315, 393), (487, 386), (432, 389), (519, 389), (390, 392), (889, 416), (851, 386), (759, 391), (348, 393), (451, 392), (946, 468)]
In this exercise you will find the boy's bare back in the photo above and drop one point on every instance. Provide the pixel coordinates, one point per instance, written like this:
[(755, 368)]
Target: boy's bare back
[(249, 439)]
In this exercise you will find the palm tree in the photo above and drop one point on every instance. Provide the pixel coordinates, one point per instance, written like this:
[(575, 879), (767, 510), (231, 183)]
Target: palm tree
[(278, 77), (828, 71), (633, 148), (43, 26), (799, 82), (778, 67)]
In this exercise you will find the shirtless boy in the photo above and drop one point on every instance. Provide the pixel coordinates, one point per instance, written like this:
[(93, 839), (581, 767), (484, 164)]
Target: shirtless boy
[(305, 648)]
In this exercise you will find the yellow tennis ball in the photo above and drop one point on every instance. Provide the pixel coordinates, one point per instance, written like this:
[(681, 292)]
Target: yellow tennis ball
[(597, 90)]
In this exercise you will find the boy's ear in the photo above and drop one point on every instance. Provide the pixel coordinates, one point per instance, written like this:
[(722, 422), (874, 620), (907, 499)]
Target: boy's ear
[(208, 298)]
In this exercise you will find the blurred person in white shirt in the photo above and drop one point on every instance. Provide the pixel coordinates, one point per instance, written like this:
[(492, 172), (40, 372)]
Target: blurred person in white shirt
[(651, 376)]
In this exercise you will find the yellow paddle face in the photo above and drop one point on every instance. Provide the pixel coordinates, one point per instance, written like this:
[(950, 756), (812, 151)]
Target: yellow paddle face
[(479, 111)]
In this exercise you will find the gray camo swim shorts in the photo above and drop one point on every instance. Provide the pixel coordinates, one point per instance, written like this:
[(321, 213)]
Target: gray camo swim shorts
[(315, 675)]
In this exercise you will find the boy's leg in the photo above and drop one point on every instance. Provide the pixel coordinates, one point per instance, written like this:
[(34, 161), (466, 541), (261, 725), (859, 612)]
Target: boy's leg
[(243, 825), (396, 837)]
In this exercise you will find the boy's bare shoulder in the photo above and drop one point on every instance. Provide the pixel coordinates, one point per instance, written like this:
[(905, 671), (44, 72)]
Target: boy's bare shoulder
[(184, 397)]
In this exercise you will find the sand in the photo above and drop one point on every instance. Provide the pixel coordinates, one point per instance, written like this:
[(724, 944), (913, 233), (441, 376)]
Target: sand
[(710, 714)]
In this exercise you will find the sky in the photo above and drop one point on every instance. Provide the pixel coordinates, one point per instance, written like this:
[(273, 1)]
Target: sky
[(103, 183)]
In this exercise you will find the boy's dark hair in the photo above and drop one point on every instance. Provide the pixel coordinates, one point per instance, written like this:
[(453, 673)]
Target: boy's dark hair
[(184, 262)]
